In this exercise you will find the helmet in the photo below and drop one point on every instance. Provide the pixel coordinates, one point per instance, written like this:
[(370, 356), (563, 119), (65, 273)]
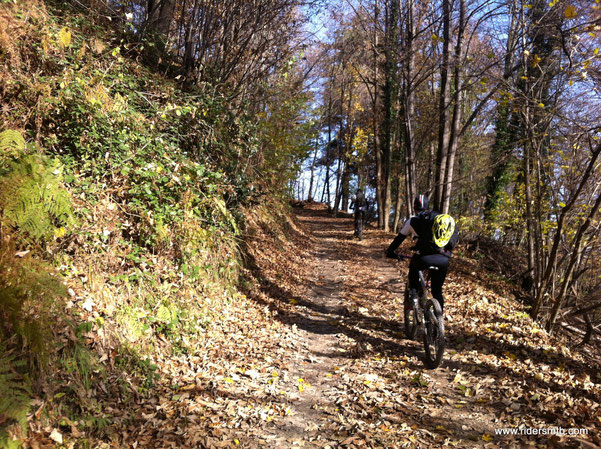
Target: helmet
[(443, 229), (421, 202)]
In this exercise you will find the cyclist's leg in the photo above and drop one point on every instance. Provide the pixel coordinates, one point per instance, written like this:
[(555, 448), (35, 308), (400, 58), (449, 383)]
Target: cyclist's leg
[(437, 277), (414, 266)]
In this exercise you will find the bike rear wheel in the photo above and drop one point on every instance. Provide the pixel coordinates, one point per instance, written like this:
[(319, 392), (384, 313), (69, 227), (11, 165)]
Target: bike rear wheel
[(434, 340), (411, 316)]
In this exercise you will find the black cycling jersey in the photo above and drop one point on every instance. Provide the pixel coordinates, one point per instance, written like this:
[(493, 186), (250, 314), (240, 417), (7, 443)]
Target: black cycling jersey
[(420, 227)]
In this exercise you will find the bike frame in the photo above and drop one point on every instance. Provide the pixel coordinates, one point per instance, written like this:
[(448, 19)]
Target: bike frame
[(423, 308), (424, 280)]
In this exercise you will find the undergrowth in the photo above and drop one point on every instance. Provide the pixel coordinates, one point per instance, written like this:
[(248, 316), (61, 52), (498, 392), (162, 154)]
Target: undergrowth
[(122, 199), (117, 186), (15, 399)]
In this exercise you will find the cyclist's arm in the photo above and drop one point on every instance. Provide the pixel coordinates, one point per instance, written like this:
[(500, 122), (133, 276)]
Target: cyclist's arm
[(399, 239)]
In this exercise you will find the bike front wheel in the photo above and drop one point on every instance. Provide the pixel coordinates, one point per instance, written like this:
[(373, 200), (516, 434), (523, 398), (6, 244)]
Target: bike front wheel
[(434, 340), (411, 316)]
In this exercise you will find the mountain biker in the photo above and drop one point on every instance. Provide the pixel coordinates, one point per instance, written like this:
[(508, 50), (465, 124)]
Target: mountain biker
[(360, 206), (436, 236)]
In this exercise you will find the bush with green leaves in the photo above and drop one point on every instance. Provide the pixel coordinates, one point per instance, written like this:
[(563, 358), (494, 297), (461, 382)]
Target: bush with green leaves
[(156, 154)]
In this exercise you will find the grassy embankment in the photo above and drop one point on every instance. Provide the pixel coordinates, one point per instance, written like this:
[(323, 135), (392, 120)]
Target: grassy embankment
[(122, 208)]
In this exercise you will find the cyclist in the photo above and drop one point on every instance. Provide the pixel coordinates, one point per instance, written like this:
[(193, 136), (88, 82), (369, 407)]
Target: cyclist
[(360, 206), (436, 237)]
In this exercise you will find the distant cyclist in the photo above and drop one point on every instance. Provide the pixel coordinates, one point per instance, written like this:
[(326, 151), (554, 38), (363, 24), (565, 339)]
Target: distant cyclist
[(436, 237), (360, 207)]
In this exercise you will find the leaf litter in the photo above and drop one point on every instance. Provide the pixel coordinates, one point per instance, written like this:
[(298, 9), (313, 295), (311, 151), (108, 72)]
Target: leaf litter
[(313, 355)]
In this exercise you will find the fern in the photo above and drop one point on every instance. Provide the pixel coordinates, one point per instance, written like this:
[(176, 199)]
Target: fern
[(29, 305), (15, 399), (12, 145), (33, 202)]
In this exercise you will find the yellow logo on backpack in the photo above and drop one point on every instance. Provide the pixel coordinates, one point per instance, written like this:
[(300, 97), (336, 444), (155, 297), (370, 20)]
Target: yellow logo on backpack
[(443, 229)]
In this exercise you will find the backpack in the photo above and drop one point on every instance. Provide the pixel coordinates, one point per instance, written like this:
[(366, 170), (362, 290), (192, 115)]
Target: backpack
[(360, 202), (422, 224)]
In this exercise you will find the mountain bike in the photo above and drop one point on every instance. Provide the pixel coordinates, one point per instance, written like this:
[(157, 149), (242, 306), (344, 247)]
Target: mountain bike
[(425, 312)]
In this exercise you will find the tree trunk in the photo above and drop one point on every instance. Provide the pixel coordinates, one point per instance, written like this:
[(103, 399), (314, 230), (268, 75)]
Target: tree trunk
[(326, 186), (390, 98), (431, 171), (398, 205), (337, 191), (376, 128), (310, 196), (346, 187), (160, 14), (409, 110), (444, 132), (589, 330), (505, 129), (529, 212), (189, 59), (457, 112)]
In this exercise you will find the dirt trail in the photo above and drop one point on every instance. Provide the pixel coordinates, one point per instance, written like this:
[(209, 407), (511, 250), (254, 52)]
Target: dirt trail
[(324, 307)]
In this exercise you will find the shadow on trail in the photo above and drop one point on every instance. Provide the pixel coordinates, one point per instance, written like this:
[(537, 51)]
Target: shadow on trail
[(324, 319)]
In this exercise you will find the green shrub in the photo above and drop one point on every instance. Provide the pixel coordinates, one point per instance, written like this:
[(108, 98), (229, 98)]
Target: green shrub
[(33, 203)]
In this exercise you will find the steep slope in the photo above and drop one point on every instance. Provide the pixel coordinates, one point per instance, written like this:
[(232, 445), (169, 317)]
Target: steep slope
[(149, 242)]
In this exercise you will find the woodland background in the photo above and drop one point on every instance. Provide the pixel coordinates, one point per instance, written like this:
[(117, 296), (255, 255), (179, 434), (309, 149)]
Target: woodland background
[(142, 142)]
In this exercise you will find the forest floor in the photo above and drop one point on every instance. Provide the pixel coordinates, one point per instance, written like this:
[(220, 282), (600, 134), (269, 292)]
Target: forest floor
[(315, 357)]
